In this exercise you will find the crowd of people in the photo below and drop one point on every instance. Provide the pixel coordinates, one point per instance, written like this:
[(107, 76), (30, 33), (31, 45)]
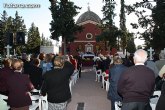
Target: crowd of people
[(132, 80), (45, 72)]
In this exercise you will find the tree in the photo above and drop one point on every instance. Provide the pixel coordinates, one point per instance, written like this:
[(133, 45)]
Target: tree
[(123, 28), (3, 30), (43, 40), (18, 26), (109, 30), (131, 48), (33, 40), (158, 34), (63, 23), (151, 23), (11, 25)]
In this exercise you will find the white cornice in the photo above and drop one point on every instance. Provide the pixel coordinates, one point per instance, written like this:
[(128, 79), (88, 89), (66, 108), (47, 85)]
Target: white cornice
[(84, 41), (89, 21)]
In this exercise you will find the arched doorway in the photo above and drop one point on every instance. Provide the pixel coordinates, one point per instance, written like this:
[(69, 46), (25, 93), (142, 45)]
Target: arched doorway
[(89, 48)]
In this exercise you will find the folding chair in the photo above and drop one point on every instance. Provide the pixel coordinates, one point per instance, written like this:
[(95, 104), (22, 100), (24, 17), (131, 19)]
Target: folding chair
[(118, 105), (3, 103), (105, 81), (154, 99), (98, 75), (36, 102), (44, 103)]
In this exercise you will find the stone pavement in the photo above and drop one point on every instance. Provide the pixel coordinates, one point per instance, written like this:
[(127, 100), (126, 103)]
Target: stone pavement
[(89, 92)]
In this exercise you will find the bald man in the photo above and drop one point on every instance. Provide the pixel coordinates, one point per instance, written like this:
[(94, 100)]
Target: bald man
[(136, 84)]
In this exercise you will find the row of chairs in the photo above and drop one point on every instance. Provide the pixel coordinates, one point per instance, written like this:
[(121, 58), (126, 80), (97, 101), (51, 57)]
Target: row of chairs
[(103, 77), (38, 102), (73, 79), (153, 101)]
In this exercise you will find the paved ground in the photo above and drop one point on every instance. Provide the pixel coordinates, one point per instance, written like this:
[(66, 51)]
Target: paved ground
[(89, 92)]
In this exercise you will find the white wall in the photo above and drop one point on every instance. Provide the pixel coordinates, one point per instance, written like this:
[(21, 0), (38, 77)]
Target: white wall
[(49, 49)]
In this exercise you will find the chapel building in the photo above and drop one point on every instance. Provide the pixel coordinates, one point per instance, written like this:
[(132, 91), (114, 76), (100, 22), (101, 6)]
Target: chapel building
[(85, 41)]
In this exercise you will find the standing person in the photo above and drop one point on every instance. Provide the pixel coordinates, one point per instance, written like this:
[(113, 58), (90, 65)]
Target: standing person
[(47, 65), (136, 84), (160, 105), (159, 79), (35, 74), (5, 72), (150, 64), (56, 85), (18, 86), (115, 71), (73, 61), (161, 62), (79, 64)]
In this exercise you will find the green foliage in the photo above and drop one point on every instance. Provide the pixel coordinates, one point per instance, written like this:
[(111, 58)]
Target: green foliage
[(124, 36), (108, 12), (109, 35), (63, 23), (109, 31), (18, 24), (153, 24), (131, 48), (122, 16), (33, 40), (13, 25), (158, 34)]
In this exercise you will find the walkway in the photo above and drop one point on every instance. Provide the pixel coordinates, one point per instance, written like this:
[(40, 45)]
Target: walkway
[(89, 92)]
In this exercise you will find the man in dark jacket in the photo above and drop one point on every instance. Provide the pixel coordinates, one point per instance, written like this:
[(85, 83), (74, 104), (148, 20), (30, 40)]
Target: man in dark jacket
[(136, 84)]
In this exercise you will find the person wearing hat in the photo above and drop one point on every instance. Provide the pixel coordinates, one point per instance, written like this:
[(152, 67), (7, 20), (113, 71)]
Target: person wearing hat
[(56, 85)]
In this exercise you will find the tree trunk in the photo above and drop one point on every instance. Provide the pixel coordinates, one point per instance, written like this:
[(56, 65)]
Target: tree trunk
[(64, 49)]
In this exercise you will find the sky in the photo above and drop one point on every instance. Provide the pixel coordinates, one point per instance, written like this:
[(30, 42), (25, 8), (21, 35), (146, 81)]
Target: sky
[(41, 15)]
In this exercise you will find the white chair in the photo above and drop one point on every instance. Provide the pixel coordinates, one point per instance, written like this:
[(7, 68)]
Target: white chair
[(36, 102), (75, 77), (107, 85), (94, 67), (70, 85), (118, 105), (98, 75), (3, 103), (44, 103), (105, 80), (153, 101)]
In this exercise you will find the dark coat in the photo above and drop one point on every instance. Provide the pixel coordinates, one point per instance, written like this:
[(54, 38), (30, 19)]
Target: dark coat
[(35, 74), (4, 74), (18, 86), (56, 84), (136, 84), (161, 102), (115, 72)]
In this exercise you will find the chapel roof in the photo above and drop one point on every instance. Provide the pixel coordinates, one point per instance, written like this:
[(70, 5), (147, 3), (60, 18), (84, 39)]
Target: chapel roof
[(89, 15)]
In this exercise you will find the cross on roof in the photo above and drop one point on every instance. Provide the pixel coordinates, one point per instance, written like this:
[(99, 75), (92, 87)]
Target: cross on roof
[(88, 6)]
